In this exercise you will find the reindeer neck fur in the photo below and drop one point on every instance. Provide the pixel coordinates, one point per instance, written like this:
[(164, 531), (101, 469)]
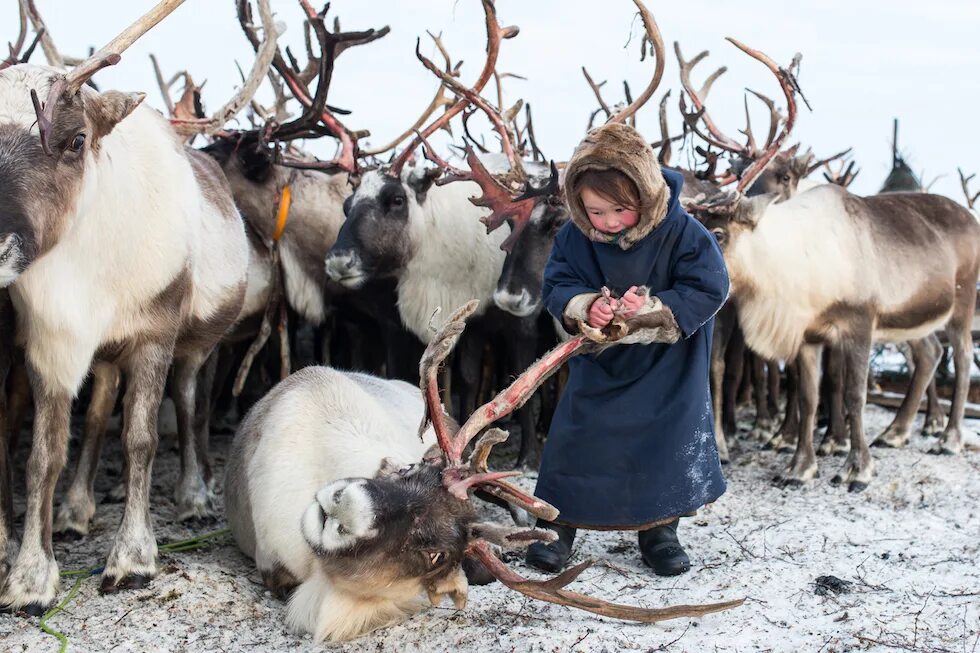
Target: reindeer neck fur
[(455, 259), (315, 217), (799, 260), (331, 613), (140, 225)]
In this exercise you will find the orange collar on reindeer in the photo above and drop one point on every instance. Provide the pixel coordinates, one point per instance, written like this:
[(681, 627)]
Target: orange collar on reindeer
[(282, 215)]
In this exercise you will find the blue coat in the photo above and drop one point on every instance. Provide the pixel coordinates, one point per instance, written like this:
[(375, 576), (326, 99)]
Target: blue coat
[(632, 440)]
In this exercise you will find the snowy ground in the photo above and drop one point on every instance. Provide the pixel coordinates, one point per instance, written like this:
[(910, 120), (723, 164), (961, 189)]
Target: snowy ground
[(908, 547)]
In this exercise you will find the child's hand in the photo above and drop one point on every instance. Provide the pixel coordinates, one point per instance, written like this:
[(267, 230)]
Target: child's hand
[(632, 302), (601, 312)]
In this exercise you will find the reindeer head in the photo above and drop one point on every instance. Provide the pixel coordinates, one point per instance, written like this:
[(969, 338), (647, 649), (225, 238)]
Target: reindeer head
[(46, 154), (383, 228), (402, 527)]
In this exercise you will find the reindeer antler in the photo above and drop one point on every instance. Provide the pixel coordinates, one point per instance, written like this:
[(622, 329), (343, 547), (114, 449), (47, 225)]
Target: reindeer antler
[(553, 591), (965, 184), (67, 86), (459, 478), (495, 33), (656, 41)]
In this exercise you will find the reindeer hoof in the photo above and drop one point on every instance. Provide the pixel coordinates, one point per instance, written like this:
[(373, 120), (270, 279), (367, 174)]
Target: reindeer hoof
[(68, 535), (857, 486), (130, 582), (34, 609)]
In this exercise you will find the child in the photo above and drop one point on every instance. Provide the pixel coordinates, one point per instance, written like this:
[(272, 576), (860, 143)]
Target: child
[(631, 445)]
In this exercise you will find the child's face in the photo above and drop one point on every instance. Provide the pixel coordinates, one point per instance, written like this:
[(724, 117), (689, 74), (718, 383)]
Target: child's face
[(606, 216)]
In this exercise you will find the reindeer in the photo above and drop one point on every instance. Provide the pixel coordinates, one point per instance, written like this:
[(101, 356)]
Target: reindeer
[(77, 509), (360, 518), (902, 266), (401, 225), (167, 288)]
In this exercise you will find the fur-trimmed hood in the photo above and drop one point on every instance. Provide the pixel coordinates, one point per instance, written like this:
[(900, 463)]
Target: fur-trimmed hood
[(619, 147)]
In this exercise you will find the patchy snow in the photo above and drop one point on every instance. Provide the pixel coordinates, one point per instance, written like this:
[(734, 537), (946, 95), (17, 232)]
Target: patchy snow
[(909, 546)]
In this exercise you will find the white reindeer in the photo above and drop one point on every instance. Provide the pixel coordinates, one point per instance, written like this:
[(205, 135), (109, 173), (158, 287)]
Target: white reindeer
[(331, 490), (117, 244)]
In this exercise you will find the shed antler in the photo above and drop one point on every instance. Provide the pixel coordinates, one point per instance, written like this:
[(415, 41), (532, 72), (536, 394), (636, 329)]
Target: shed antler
[(459, 478), (66, 87)]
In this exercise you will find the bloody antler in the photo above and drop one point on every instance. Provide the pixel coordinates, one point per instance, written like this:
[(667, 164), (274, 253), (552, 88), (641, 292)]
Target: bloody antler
[(67, 86), (553, 591), (495, 34), (459, 478)]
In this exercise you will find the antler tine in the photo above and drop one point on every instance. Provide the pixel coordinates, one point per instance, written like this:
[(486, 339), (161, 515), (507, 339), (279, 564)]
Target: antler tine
[(164, 87), (789, 86), (749, 136), (529, 127), (657, 42), (596, 89), (665, 150), (823, 163), (474, 98), (514, 396), (495, 34), (265, 53), (553, 591), (17, 45), (774, 118), (67, 86), (440, 100), (436, 353), (698, 98), (47, 43), (965, 184)]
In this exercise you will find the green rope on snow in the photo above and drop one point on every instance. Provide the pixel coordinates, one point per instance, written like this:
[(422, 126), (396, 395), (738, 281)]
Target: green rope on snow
[(198, 542)]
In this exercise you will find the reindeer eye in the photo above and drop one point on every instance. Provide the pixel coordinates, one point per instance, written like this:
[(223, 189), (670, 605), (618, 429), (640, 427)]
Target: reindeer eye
[(397, 201), (77, 143)]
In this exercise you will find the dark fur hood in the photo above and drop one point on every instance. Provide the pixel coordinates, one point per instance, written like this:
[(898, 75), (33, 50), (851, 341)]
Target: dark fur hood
[(619, 147)]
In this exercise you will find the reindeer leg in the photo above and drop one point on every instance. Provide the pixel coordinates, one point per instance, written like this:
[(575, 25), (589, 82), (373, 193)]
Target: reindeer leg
[(858, 467), (763, 418), (960, 337), (803, 467), (835, 440), (32, 582), (521, 354), (774, 389), (78, 506), (785, 440), (202, 417), (734, 367), (19, 387), (194, 499), (7, 547), (924, 360), (132, 559), (724, 323), (935, 420)]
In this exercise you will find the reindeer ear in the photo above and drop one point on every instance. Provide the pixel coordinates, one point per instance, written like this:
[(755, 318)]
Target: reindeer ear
[(106, 110), (420, 180), (751, 209)]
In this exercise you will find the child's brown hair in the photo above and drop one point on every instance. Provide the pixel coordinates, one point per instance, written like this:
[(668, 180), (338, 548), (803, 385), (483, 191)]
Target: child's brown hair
[(611, 185)]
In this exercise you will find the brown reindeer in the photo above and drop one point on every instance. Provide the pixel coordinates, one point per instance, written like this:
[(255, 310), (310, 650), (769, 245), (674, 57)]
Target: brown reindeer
[(831, 267)]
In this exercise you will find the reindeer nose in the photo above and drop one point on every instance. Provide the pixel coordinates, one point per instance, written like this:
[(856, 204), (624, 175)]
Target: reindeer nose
[(519, 305), (343, 264)]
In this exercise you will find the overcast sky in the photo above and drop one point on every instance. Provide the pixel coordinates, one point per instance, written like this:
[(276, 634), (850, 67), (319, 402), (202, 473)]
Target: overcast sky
[(863, 64)]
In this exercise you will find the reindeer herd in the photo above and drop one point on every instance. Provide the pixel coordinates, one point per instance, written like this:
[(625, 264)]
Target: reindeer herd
[(132, 259)]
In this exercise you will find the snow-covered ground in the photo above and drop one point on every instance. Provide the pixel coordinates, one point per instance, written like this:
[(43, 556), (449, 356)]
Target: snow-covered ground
[(908, 549)]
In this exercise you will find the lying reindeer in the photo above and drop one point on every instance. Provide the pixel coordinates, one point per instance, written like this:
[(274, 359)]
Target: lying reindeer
[(330, 489)]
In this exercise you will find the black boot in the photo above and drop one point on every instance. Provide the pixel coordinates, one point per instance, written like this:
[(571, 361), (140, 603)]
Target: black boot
[(552, 557), (662, 551)]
